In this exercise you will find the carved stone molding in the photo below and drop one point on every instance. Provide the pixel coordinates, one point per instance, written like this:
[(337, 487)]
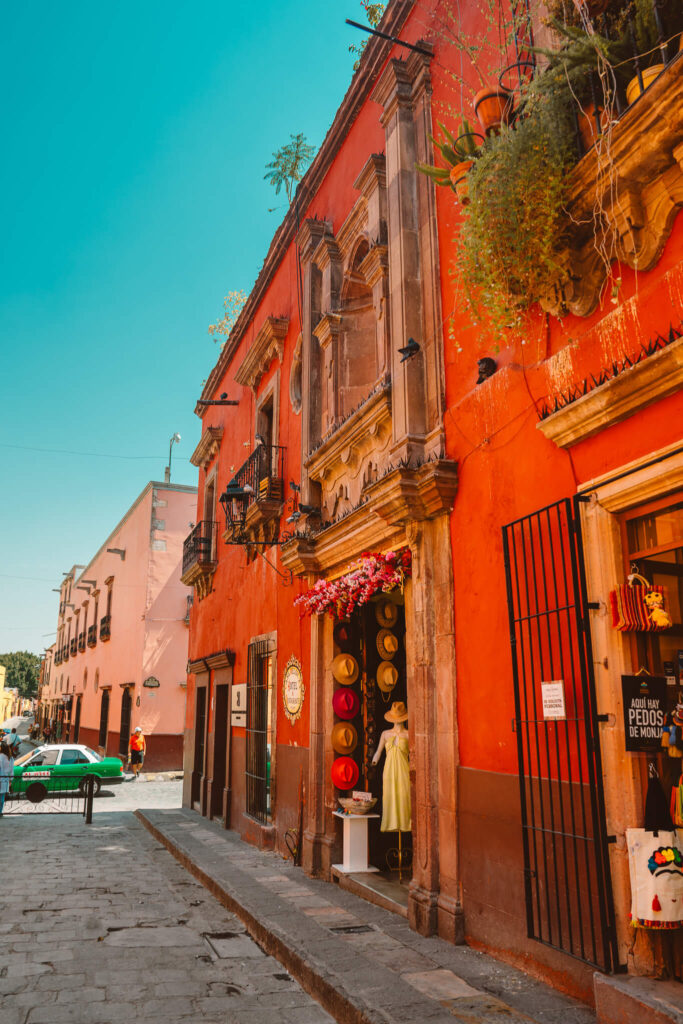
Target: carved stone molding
[(387, 519), (638, 183), (328, 329), (199, 576), (375, 266), (366, 431), (268, 344), (207, 447), (309, 235), (372, 176), (632, 390)]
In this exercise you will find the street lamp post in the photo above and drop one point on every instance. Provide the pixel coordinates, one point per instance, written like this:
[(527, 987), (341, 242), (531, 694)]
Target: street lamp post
[(167, 471)]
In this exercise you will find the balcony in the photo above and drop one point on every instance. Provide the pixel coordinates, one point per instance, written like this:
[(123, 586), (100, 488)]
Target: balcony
[(92, 636), (81, 641), (105, 627), (252, 501), (199, 557), (58, 658), (73, 648), (65, 652)]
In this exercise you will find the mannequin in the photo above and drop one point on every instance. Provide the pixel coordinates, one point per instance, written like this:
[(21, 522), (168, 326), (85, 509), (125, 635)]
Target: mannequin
[(396, 778)]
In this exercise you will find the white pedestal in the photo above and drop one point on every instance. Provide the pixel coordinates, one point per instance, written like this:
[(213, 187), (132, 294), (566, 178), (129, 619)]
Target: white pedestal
[(355, 842)]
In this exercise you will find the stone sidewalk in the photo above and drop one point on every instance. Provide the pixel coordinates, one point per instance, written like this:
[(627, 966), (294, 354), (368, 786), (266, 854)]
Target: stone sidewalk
[(100, 925), (362, 963)]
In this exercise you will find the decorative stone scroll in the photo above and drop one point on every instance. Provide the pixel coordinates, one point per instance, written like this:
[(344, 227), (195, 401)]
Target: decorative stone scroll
[(268, 344)]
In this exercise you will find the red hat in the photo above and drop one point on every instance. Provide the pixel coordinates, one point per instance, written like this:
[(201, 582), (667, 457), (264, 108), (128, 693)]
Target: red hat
[(345, 773), (345, 703)]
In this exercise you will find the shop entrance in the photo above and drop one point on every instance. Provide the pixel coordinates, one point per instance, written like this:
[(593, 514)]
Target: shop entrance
[(220, 747), (374, 636)]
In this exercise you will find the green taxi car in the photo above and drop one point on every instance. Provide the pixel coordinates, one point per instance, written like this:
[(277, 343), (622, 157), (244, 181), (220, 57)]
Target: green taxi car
[(62, 767)]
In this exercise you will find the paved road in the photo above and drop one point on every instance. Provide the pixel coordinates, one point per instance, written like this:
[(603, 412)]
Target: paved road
[(131, 795), (100, 925)]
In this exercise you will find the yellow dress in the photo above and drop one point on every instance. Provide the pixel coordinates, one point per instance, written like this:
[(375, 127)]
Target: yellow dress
[(396, 785)]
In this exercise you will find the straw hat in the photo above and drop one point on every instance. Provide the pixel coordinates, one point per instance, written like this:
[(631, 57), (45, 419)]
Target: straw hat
[(345, 669), (386, 613), (387, 676), (345, 704), (387, 643), (344, 738), (398, 712), (345, 773)]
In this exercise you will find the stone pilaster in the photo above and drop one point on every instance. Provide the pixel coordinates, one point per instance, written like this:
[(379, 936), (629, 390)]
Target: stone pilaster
[(309, 236)]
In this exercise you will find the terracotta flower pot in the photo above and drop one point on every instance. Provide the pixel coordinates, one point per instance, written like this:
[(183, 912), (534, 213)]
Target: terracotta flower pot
[(458, 176), (493, 106), (633, 90), (594, 8)]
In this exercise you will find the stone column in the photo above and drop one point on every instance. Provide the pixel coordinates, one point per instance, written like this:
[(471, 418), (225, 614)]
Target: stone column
[(309, 236)]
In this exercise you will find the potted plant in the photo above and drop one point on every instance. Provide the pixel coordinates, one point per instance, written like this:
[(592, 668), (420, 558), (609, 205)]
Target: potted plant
[(459, 153), (493, 107)]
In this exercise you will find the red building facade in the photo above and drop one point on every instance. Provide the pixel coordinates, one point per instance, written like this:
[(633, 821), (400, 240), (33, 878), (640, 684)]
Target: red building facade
[(347, 439)]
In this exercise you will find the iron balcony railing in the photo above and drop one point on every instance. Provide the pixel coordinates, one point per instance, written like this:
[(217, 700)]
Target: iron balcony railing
[(259, 478), (200, 547), (73, 647), (92, 635), (105, 627), (639, 65), (81, 641)]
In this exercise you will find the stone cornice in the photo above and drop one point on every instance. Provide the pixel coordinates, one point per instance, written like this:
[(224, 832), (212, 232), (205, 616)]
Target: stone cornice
[(353, 227), (310, 233), (207, 447), (394, 503), (375, 265), (372, 61), (328, 328), (326, 252), (639, 186), (268, 343), (220, 659), (373, 175), (359, 435), (630, 391)]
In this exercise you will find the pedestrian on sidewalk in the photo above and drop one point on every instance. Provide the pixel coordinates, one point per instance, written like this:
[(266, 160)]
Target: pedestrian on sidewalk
[(11, 739), (136, 750), (6, 773)]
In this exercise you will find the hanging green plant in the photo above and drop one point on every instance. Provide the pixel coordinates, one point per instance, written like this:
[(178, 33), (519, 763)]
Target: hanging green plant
[(516, 218), (459, 153)]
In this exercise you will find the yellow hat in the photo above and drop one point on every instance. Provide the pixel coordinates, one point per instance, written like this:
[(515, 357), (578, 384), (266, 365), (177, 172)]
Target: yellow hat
[(398, 712), (387, 676), (387, 643), (344, 738), (345, 669), (386, 613)]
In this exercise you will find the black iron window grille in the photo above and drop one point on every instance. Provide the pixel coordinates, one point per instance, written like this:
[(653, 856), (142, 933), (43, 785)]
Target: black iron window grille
[(105, 627), (92, 635), (73, 647), (200, 547), (81, 641), (260, 729)]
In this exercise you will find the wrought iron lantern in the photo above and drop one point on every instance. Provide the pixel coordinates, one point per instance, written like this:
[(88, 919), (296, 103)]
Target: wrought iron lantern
[(235, 501)]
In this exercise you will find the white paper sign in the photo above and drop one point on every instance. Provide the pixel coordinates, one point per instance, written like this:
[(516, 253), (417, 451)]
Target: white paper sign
[(553, 699), (239, 718)]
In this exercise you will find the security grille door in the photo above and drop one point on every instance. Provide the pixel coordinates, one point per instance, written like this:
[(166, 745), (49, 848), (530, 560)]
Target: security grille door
[(567, 880), (259, 731), (104, 719), (124, 730)]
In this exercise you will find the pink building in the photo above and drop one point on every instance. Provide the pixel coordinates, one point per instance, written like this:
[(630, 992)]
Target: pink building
[(121, 651)]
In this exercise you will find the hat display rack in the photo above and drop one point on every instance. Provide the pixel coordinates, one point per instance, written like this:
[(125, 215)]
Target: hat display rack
[(347, 676)]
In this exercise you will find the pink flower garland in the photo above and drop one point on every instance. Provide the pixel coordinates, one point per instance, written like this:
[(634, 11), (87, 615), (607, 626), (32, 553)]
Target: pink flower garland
[(371, 574)]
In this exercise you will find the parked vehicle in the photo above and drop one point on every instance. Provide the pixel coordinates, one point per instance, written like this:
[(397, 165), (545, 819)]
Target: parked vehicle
[(63, 766)]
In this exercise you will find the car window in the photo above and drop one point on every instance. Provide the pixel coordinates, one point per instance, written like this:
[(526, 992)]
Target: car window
[(26, 757), (94, 755), (44, 757), (74, 756)]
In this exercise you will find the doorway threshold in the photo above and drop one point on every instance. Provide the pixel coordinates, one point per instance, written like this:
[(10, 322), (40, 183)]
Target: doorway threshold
[(376, 887)]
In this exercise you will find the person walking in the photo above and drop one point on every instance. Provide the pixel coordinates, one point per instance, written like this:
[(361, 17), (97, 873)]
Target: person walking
[(137, 748), (12, 740), (6, 773)]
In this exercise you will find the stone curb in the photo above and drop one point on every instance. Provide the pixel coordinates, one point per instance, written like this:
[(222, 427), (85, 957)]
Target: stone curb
[(311, 976), (349, 987), (156, 776)]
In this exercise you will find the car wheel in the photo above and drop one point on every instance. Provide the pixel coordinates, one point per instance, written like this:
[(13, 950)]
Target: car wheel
[(83, 785), (36, 792)]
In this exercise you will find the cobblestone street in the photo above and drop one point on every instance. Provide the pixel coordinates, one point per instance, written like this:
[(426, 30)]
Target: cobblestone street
[(100, 924)]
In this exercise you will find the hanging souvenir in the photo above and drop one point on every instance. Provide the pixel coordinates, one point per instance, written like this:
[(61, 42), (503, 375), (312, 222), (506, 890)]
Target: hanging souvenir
[(345, 773), (387, 677), (656, 869), (344, 738), (387, 644), (639, 607), (345, 669), (345, 704)]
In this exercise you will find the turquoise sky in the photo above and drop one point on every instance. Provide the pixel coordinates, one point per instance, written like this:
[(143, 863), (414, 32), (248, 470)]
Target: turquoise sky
[(134, 143)]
